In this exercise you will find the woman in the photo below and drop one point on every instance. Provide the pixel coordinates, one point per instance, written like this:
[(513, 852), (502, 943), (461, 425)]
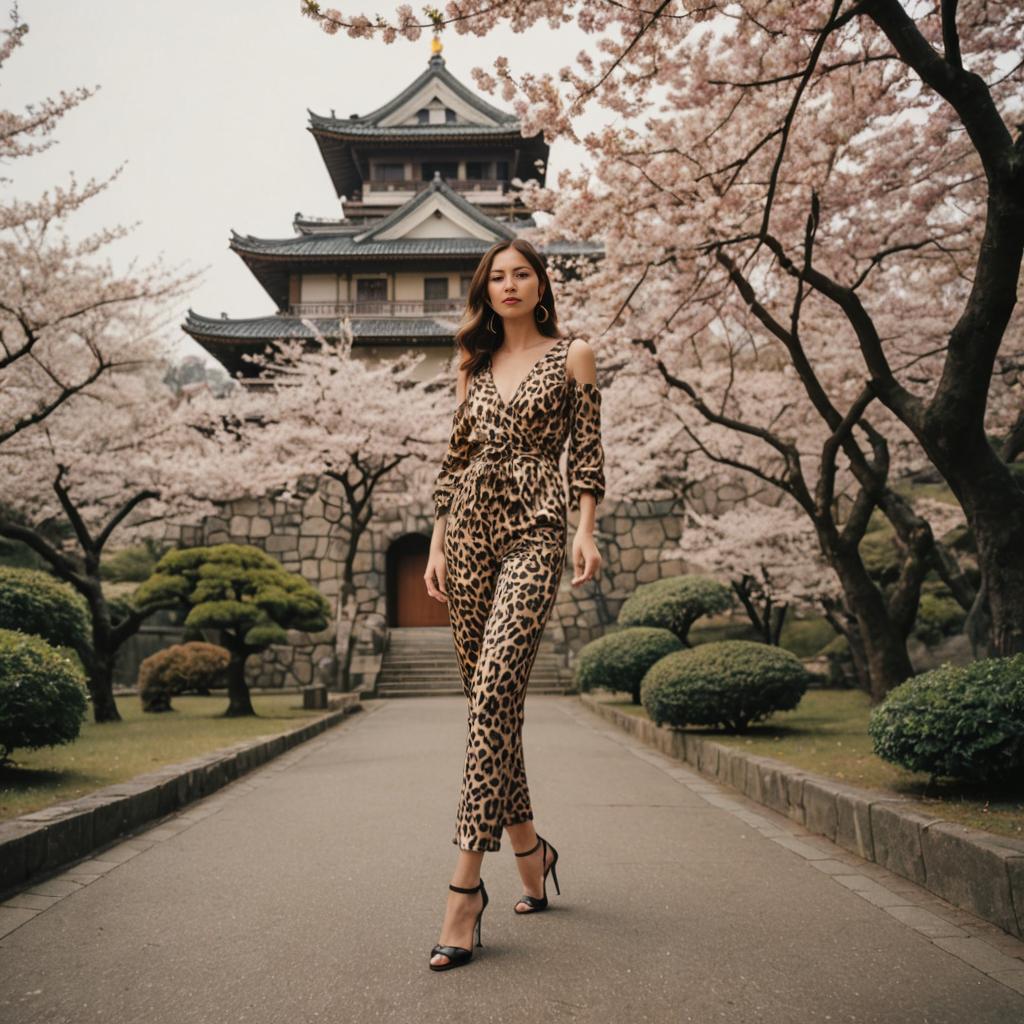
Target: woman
[(498, 550)]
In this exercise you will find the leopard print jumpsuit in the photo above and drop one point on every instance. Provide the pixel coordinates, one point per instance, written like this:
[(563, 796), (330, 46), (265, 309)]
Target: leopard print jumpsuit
[(505, 548)]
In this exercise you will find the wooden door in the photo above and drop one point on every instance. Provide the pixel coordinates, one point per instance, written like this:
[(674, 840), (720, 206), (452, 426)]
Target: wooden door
[(409, 603)]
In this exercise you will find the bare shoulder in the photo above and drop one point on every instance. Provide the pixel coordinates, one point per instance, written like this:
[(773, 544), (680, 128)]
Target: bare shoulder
[(461, 385), (580, 363)]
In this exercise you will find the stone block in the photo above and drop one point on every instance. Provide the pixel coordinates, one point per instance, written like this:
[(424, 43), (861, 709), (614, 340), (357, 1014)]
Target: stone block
[(819, 801), (281, 542), (708, 756), (649, 533), (108, 813), (22, 851), (316, 526), (968, 867), (1015, 872), (896, 835), (648, 573), (68, 836), (631, 560), (794, 782), (758, 769), (773, 788), (853, 821)]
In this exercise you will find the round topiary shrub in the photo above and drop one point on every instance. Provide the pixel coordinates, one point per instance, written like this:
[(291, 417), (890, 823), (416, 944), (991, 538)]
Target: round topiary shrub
[(729, 683), (190, 666), (33, 601), (42, 694), (964, 722), (620, 659), (675, 603)]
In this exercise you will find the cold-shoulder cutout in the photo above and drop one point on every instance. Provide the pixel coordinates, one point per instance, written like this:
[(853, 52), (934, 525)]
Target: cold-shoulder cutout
[(580, 363)]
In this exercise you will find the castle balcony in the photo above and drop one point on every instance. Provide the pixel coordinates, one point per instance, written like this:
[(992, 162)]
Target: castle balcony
[(380, 308), (405, 188)]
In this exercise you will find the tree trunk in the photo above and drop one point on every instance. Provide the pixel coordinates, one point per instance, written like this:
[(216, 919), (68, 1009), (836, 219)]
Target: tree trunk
[(884, 643), (239, 701), (100, 681), (101, 664), (994, 505)]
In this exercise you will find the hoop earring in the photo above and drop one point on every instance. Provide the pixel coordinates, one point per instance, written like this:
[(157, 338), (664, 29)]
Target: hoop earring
[(545, 317), (490, 324)]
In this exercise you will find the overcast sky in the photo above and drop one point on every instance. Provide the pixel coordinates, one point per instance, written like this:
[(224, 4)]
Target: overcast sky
[(207, 105)]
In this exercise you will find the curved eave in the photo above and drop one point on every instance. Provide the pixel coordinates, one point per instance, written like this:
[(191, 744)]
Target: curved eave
[(229, 340)]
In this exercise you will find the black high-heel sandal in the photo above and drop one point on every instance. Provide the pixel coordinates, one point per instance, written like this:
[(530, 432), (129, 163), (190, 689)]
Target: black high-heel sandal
[(535, 902), (459, 955)]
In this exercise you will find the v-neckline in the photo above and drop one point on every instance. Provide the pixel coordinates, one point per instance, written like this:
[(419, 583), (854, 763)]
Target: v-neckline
[(494, 384)]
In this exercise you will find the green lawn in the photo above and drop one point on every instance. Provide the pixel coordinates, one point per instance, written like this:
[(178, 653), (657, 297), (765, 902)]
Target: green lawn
[(827, 733), (117, 751)]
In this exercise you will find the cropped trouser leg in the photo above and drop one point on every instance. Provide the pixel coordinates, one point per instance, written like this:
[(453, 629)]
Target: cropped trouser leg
[(499, 604)]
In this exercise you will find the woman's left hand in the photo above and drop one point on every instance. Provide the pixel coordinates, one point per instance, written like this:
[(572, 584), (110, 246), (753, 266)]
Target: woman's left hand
[(586, 559)]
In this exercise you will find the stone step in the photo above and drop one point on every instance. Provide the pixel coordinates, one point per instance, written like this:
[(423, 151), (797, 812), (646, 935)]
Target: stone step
[(388, 692), (425, 664), (409, 677)]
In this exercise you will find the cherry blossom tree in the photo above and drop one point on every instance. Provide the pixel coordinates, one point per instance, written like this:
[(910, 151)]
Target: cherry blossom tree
[(66, 318), (317, 413), (770, 557), (826, 190), (121, 456)]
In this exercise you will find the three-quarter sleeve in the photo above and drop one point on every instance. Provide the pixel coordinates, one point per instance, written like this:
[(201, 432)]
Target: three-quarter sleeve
[(455, 460), (585, 466)]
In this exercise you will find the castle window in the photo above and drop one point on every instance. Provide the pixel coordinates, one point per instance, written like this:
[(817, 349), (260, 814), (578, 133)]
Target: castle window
[(389, 172), (435, 289)]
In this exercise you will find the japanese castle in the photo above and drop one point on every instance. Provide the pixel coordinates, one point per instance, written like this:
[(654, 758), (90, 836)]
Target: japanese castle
[(425, 187)]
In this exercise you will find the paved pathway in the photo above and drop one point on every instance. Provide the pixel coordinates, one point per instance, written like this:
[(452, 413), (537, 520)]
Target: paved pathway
[(312, 889)]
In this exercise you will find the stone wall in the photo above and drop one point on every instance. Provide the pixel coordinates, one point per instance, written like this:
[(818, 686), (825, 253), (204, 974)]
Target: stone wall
[(308, 537)]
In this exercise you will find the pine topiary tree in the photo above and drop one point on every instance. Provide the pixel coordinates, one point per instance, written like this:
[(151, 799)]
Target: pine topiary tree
[(243, 592)]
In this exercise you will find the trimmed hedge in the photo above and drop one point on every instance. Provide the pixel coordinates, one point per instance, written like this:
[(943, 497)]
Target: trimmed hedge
[(961, 721), (42, 694), (675, 603), (620, 659), (33, 601), (729, 683), (190, 666)]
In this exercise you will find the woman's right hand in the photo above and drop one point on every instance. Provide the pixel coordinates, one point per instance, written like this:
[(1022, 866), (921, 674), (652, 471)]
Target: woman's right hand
[(434, 577)]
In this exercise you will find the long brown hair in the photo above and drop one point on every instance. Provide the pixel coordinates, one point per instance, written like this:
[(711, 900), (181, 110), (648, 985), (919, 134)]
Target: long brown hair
[(482, 330)]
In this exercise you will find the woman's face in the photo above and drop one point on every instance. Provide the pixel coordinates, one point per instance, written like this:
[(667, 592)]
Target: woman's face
[(512, 278)]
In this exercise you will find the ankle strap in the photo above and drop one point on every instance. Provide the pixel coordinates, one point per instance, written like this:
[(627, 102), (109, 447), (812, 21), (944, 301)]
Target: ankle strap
[(526, 853), (476, 888)]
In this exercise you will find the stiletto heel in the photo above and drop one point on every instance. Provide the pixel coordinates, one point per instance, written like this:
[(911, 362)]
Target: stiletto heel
[(539, 903), (459, 955)]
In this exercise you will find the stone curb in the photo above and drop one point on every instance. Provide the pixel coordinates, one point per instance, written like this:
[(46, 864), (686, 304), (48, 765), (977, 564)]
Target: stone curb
[(976, 870), (53, 836)]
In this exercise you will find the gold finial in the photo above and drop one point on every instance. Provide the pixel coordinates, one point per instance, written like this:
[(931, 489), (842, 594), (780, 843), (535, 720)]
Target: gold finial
[(435, 45)]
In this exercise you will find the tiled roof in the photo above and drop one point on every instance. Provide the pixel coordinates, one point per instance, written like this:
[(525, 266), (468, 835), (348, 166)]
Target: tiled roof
[(417, 132), (439, 186), (367, 123), (266, 328), (325, 245)]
